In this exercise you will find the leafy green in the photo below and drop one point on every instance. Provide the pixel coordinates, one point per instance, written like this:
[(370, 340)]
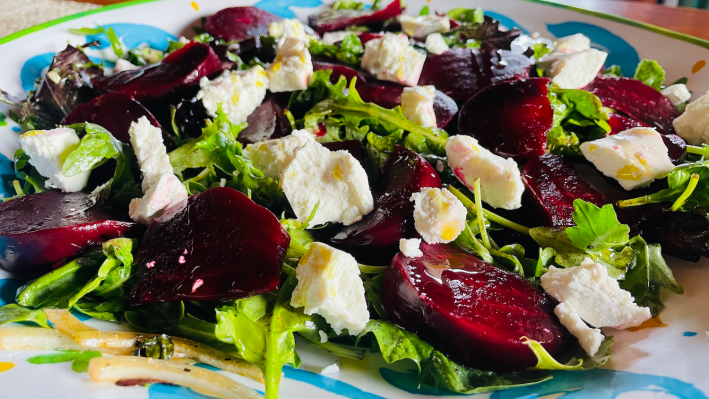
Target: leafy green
[(80, 359), (578, 116), (540, 50), (435, 369), (647, 275), (613, 70), (110, 310), (13, 313), (678, 180), (349, 51), (651, 73), (319, 89), (581, 361), (110, 34), (170, 318), (467, 15), (373, 294), (81, 363), (424, 11), (596, 228), (28, 173), (352, 5)]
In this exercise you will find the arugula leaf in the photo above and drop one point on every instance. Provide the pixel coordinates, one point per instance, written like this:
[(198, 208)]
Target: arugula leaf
[(101, 30), (581, 361), (13, 313), (319, 89), (596, 228), (678, 181), (578, 116), (467, 15), (169, 318), (373, 294), (24, 171), (651, 73), (111, 310), (349, 51)]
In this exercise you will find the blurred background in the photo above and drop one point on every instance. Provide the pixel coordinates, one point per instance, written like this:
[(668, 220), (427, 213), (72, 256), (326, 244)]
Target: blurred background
[(686, 16)]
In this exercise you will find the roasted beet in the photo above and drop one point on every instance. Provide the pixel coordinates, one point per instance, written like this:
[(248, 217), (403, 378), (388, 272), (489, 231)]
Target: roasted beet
[(511, 119), (460, 72), (239, 23), (339, 70), (676, 147), (190, 116), (375, 239), (354, 147), (218, 244), (268, 121), (619, 123), (637, 100), (332, 20), (367, 36), (176, 73), (470, 310), (388, 95), (39, 230), (553, 184)]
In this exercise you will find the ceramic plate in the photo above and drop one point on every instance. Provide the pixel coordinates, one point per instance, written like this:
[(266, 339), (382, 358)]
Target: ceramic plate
[(661, 362)]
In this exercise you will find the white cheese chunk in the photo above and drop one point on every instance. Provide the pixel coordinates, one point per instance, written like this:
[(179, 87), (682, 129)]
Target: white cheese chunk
[(272, 156), (572, 44), (286, 28), (124, 65), (500, 181), (239, 93), (574, 70), (150, 151), (411, 247), (329, 285), (417, 105), (292, 68), (589, 338), (48, 149), (334, 178), (439, 217), (677, 93), (330, 38), (634, 157), (391, 58), (597, 297), (167, 192), (435, 44), (693, 124), (423, 25)]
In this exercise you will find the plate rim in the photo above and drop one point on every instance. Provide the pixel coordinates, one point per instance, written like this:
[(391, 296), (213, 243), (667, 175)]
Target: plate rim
[(616, 18)]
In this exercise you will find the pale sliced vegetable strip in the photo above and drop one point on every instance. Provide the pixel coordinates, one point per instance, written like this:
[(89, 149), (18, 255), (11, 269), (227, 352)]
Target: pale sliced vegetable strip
[(35, 338), (66, 322)]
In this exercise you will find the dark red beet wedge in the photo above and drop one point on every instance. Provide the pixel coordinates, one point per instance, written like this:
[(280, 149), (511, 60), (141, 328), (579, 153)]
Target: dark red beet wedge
[(375, 238), (179, 71), (115, 112), (553, 184), (636, 99), (367, 36), (511, 119), (460, 73), (268, 121), (339, 70), (190, 116), (332, 20), (676, 147), (619, 123), (354, 147), (218, 244), (239, 23), (40, 230), (388, 95), (472, 311)]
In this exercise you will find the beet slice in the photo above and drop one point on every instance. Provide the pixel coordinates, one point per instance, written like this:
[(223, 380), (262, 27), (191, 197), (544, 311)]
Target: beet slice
[(217, 244), (636, 99), (553, 184), (332, 20), (176, 73), (676, 147), (339, 70), (268, 121), (239, 23), (388, 95), (470, 310), (190, 115), (511, 119), (367, 36), (619, 123), (460, 73), (42, 229), (354, 147), (375, 238)]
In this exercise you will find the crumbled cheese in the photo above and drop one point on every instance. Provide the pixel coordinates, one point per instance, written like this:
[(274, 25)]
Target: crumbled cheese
[(331, 369), (574, 70), (572, 44), (330, 38), (411, 248), (286, 28), (183, 40), (634, 157), (435, 44), (392, 58), (335, 179), (597, 298), (123, 65), (292, 68), (167, 192), (439, 217), (323, 336), (500, 181), (329, 285), (239, 93), (48, 149), (589, 338), (417, 105), (677, 93), (693, 124), (272, 156), (150, 151), (423, 25)]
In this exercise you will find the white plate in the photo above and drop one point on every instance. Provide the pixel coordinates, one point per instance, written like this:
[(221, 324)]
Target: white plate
[(651, 363)]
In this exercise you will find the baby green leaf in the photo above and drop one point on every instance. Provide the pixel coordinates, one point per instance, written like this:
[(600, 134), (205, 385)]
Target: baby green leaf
[(13, 313), (596, 228), (651, 73)]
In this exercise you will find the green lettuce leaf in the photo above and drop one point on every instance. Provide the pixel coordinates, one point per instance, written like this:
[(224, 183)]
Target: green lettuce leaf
[(596, 229), (578, 116), (651, 73), (13, 313), (467, 15), (349, 51), (581, 361)]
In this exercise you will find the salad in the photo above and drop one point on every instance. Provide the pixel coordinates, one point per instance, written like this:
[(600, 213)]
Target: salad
[(432, 187)]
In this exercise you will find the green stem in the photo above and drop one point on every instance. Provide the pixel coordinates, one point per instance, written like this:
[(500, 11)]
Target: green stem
[(365, 269), (288, 270), (18, 188), (199, 177), (479, 211), (687, 192), (703, 151), (490, 216), (314, 339)]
